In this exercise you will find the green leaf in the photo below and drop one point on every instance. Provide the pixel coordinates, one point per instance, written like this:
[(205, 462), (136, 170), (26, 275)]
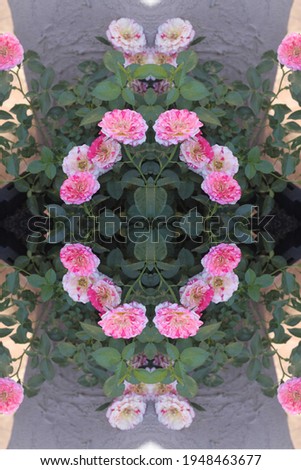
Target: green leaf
[(147, 377), (172, 96), (253, 78), (150, 97), (12, 282), (47, 78), (66, 349), (107, 43), (288, 165), (189, 59), (250, 277), (94, 332), (12, 165), (47, 292), (150, 335), (128, 351), (193, 90), (50, 276), (253, 369), (265, 167), (207, 116), (93, 116), (234, 349), (250, 170), (193, 358), (254, 292), (112, 388), (295, 332), (152, 249), (66, 98), (106, 91), (128, 96), (45, 344), (233, 98), (265, 280), (47, 369), (150, 200), (172, 351), (35, 167), (108, 358), (111, 60), (153, 70), (207, 331), (150, 351), (288, 283), (189, 389), (5, 332)]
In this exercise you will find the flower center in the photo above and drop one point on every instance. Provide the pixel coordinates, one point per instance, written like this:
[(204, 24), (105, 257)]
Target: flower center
[(173, 34), (82, 165), (82, 282), (218, 165), (4, 396), (3, 51), (218, 282), (296, 395), (296, 52)]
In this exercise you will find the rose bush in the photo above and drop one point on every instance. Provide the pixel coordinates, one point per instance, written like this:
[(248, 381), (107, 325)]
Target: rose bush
[(147, 173)]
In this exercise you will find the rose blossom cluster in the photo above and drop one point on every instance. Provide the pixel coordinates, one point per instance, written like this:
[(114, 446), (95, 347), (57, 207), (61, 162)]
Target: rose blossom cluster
[(172, 37), (215, 284), (127, 411), (85, 284), (84, 164)]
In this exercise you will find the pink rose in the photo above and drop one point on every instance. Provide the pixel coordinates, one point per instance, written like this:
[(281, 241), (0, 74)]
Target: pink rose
[(125, 321), (223, 160), (196, 294), (221, 188), (176, 125), (124, 125), (104, 294), (79, 188), (11, 51), (77, 286), (176, 321), (104, 153), (140, 58), (126, 412), (221, 259), (11, 396), (174, 35), (289, 51), (126, 35), (77, 161), (196, 153), (223, 286), (289, 396), (79, 259), (174, 412)]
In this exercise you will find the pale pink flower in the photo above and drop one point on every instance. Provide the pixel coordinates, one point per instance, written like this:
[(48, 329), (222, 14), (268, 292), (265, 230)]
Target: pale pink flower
[(11, 396), (159, 389), (140, 389), (138, 86), (125, 321), (104, 294), (223, 160), (221, 188), (77, 286), (223, 286), (196, 294), (289, 396), (162, 360), (196, 153), (162, 86), (140, 58), (79, 259), (221, 259), (11, 51), (176, 321), (77, 160), (174, 412), (104, 153), (126, 35), (158, 57), (176, 125), (124, 125), (126, 412), (289, 51), (174, 35), (79, 188), (137, 361)]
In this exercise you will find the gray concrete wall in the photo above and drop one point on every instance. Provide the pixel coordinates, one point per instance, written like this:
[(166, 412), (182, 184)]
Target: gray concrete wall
[(237, 31)]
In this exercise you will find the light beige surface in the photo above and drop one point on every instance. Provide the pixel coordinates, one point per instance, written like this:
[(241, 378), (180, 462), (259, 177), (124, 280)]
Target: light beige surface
[(237, 414)]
